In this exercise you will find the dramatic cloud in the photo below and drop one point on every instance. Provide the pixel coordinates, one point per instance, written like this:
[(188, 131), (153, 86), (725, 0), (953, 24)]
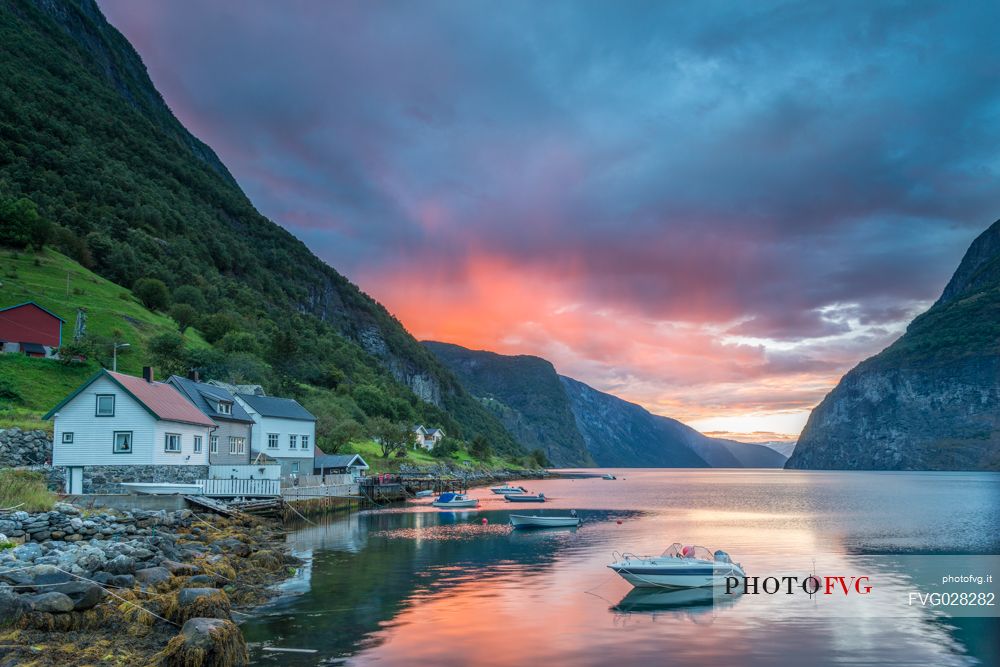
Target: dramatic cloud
[(712, 209)]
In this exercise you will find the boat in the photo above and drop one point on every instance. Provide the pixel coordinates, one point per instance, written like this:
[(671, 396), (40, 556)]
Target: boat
[(162, 488), (507, 490), (678, 567), (426, 493), (524, 498), (455, 500), (690, 602), (535, 521), (608, 475)]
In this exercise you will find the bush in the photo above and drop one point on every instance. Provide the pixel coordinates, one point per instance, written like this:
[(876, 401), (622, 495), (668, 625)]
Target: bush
[(185, 315), (480, 448), (20, 224), (152, 293), (190, 295), (446, 448), (24, 489), (540, 459)]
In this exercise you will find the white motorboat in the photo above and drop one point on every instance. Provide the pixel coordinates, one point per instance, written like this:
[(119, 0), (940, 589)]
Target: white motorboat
[(608, 475), (524, 498), (455, 500), (522, 521), (162, 488), (507, 490), (426, 493), (678, 567)]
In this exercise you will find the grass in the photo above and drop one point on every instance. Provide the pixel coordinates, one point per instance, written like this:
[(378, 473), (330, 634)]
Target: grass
[(30, 387), (372, 455), (25, 490)]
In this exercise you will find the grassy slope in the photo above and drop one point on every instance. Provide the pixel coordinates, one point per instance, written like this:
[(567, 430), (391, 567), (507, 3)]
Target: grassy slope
[(369, 450), (111, 310)]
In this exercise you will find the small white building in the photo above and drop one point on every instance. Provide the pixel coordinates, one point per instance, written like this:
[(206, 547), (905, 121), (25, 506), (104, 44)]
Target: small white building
[(428, 438), (284, 431), (115, 419)]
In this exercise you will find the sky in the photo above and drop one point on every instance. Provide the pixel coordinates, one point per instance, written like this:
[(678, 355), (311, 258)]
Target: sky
[(713, 209)]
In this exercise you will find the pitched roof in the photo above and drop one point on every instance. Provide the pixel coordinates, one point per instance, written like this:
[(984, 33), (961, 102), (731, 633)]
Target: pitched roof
[(197, 392), (271, 406), (32, 303), (159, 399), (322, 460)]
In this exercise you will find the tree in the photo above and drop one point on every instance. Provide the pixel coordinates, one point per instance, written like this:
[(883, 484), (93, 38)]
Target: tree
[(334, 434), (185, 315), (21, 225), (480, 448), (190, 295), (445, 448), (152, 292), (390, 436), (540, 459), (168, 353)]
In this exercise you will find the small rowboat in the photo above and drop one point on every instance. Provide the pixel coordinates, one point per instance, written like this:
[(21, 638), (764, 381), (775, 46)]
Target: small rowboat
[(426, 493), (455, 500), (504, 490), (522, 521), (525, 498)]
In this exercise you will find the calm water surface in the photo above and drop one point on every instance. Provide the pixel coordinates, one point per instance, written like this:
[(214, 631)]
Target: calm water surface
[(420, 585)]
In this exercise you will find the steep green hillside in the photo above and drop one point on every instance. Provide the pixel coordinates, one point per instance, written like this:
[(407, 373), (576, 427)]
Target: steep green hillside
[(931, 400), (131, 194), (524, 392)]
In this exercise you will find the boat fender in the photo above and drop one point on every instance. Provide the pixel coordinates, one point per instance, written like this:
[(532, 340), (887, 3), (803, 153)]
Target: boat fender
[(485, 521), (619, 522)]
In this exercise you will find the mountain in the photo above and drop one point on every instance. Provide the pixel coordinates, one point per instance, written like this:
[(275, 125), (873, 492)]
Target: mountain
[(86, 139), (782, 447), (931, 400), (576, 425), (525, 394)]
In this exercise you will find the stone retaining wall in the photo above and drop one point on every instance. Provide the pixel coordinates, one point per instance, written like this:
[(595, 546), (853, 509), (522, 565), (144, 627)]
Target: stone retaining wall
[(24, 448), (107, 479)]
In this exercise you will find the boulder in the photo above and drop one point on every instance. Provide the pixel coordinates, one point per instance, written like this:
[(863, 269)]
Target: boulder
[(51, 602), (28, 552), (234, 546), (209, 642), (200, 603), (121, 564), (203, 580), (180, 569), (84, 594), (12, 606), (151, 576)]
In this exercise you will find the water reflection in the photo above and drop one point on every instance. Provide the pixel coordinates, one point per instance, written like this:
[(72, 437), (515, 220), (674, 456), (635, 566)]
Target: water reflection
[(424, 585)]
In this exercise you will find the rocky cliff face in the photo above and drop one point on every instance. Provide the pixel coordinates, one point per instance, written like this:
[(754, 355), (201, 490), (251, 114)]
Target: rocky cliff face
[(930, 401)]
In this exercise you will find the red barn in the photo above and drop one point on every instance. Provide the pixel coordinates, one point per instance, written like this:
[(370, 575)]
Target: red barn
[(29, 328)]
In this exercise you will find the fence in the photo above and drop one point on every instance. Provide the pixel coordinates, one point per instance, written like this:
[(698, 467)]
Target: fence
[(317, 480), (241, 488), (319, 491)]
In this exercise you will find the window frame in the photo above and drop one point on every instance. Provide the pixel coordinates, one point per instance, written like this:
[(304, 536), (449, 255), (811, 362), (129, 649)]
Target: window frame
[(114, 442), (97, 405), (166, 439), (293, 441), (228, 408), (304, 441), (237, 445), (67, 440), (295, 467), (275, 438), (197, 444), (213, 444)]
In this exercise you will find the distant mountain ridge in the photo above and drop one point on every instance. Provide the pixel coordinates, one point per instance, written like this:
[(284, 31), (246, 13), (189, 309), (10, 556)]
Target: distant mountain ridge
[(578, 425), (929, 401)]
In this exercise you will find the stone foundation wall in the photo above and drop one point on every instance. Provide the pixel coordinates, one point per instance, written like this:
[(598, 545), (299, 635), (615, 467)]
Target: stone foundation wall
[(24, 448), (107, 479)]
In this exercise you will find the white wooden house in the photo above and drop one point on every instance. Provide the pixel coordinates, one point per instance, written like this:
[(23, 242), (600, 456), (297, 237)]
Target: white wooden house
[(115, 419), (428, 438), (284, 431)]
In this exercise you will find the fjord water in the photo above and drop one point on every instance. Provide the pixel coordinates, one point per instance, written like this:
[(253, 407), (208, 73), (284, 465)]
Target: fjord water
[(418, 585)]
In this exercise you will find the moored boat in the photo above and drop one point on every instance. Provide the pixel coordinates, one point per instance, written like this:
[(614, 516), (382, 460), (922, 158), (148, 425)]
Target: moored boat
[(524, 498), (678, 567), (455, 500), (524, 521), (506, 490), (162, 488), (426, 493), (608, 475)]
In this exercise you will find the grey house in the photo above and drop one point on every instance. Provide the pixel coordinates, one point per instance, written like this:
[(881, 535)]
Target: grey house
[(230, 443), (283, 430)]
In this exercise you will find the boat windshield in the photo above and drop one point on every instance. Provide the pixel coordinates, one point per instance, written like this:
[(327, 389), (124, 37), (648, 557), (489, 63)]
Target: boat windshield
[(678, 550)]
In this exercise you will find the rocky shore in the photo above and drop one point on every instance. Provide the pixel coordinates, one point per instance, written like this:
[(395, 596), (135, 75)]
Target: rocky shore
[(139, 587)]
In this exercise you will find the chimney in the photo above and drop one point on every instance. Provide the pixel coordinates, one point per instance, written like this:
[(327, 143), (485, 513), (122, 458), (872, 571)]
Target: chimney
[(193, 375), (147, 373)]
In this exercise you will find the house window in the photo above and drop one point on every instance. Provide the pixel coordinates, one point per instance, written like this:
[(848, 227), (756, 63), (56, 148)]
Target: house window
[(272, 440), (123, 442), (197, 444), (237, 445), (293, 441), (305, 442), (172, 442), (225, 408), (67, 437), (213, 444), (105, 405), (295, 468)]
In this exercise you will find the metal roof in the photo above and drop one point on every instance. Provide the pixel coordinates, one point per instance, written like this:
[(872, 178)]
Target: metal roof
[(196, 393), (337, 460), (32, 303), (283, 408)]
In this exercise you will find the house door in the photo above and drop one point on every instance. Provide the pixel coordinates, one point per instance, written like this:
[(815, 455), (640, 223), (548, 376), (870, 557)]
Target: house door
[(74, 481)]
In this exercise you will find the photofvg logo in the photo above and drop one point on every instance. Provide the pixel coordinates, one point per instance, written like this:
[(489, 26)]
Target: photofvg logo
[(790, 585)]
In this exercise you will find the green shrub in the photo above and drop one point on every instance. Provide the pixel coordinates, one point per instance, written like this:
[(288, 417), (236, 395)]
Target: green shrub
[(152, 293)]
